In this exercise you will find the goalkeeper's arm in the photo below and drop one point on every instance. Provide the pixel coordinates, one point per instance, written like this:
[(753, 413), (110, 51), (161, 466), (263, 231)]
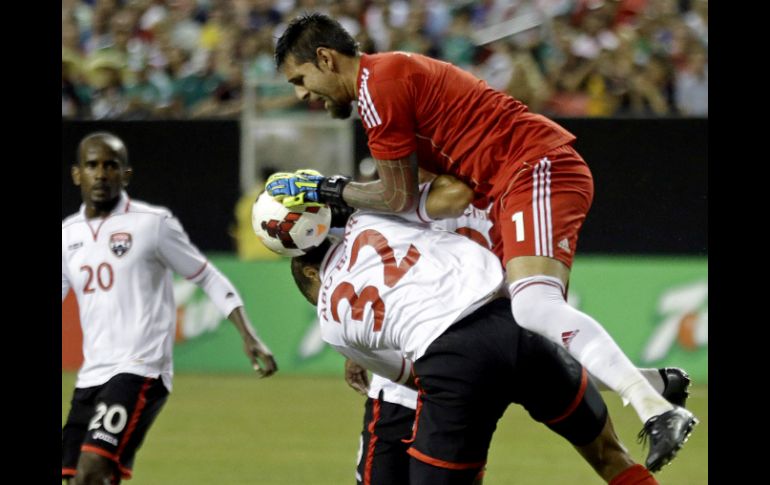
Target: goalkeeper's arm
[(395, 191), (445, 197)]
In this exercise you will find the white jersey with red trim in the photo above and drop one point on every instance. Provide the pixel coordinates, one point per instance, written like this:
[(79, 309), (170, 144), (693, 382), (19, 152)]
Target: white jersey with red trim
[(391, 287), (120, 268), (473, 224), (392, 392)]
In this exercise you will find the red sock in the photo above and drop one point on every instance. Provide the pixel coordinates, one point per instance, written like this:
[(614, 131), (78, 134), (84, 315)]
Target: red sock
[(634, 475)]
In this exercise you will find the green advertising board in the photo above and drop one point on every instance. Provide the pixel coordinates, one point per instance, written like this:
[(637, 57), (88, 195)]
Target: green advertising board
[(655, 308)]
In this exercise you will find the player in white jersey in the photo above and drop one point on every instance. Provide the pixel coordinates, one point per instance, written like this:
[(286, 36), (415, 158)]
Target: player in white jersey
[(389, 409), (419, 307), (118, 255)]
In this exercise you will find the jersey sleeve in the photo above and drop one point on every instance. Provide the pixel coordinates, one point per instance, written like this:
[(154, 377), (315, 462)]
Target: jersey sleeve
[(176, 250), (65, 280), (389, 364), (419, 213), (387, 112), (186, 260)]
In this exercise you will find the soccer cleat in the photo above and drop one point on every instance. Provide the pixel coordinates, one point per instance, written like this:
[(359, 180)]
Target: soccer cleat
[(676, 385), (667, 433)]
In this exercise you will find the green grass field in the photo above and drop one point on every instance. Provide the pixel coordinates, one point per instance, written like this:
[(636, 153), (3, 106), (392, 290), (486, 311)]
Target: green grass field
[(236, 429)]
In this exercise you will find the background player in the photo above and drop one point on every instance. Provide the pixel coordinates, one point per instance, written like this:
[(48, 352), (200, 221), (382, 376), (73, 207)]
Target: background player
[(117, 256)]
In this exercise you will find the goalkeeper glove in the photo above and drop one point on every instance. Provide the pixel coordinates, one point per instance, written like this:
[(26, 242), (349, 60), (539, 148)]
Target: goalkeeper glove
[(293, 189), (306, 187)]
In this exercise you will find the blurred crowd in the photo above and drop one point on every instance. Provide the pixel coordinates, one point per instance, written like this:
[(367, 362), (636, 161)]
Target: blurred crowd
[(150, 59)]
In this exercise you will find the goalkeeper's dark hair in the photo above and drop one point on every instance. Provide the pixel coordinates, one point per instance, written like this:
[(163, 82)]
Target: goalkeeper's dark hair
[(314, 257), (307, 33)]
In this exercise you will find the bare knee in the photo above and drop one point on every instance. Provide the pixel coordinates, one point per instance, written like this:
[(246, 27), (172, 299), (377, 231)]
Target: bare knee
[(94, 469), (606, 454)]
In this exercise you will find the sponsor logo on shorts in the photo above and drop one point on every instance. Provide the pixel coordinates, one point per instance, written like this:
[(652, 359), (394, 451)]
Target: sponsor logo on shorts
[(75, 246), (564, 244), (101, 435)]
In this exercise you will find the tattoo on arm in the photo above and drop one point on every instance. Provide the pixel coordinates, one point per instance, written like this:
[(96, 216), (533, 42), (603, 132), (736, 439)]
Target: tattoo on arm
[(395, 191)]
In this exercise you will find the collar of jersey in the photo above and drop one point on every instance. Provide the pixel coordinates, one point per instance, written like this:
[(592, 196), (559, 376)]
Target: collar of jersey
[(120, 208)]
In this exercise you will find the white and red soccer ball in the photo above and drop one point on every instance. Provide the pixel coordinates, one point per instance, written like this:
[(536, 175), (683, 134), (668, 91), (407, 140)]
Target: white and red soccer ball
[(289, 232)]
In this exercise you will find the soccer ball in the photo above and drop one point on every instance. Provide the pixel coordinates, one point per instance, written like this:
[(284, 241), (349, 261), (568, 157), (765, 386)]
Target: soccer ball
[(289, 232)]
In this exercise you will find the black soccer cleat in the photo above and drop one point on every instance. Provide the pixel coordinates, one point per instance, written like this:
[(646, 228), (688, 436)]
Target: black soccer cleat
[(667, 433), (676, 384)]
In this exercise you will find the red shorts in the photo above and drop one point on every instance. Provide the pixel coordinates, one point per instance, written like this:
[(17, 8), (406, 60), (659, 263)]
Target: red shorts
[(539, 210)]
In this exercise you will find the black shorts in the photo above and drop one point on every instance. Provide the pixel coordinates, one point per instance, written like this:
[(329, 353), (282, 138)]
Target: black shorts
[(382, 458), (111, 420), (472, 372)]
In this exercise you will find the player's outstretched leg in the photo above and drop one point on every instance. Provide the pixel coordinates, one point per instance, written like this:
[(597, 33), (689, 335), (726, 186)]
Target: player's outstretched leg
[(538, 304), (95, 470), (610, 459), (666, 434), (673, 383)]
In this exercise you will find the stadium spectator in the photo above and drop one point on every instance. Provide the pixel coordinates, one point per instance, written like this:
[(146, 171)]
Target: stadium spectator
[(75, 95), (457, 46), (651, 88), (256, 52), (185, 29), (199, 85), (692, 84), (697, 19), (143, 96), (108, 96), (524, 163), (438, 28), (227, 98), (153, 13), (218, 23), (97, 34), (436, 325), (117, 257), (263, 14), (75, 100)]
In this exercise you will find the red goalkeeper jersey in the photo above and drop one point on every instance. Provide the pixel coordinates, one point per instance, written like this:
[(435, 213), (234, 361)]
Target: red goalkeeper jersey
[(454, 121)]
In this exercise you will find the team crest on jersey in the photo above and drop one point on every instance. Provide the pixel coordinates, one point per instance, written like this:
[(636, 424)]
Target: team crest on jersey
[(120, 243)]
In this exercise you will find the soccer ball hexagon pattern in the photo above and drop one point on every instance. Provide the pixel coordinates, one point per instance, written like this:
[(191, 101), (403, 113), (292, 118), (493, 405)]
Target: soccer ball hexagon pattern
[(289, 232)]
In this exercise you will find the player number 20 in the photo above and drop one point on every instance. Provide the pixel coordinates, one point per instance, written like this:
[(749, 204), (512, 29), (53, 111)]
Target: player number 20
[(103, 276), (110, 423)]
